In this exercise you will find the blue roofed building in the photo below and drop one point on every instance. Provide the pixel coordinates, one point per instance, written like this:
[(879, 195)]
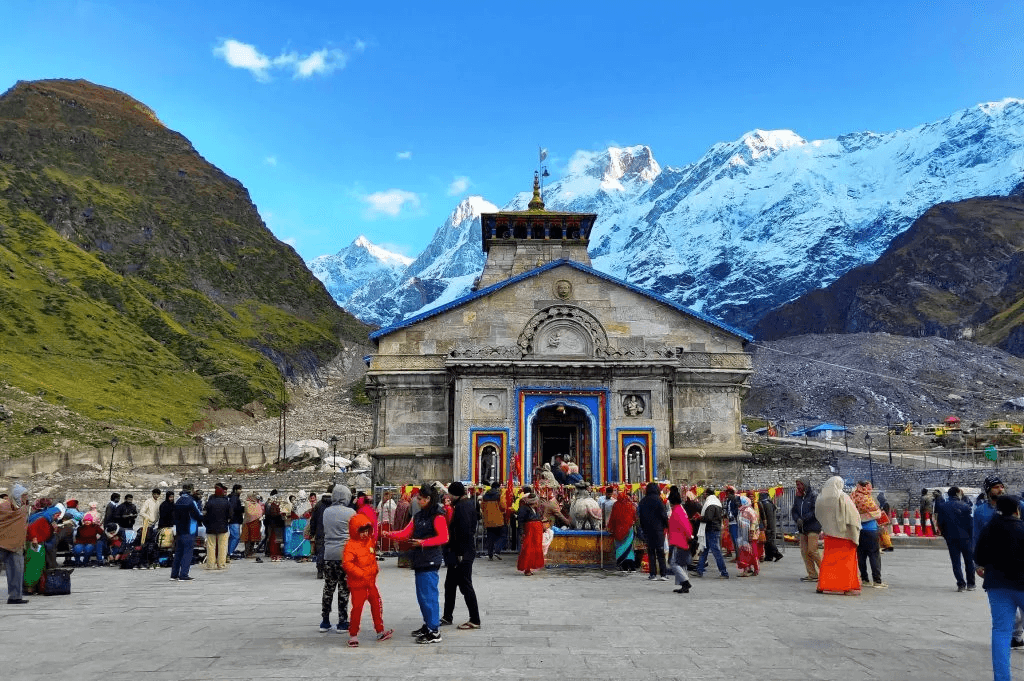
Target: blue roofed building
[(548, 358)]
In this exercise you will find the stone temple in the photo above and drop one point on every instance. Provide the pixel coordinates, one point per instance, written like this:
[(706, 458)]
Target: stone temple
[(547, 356)]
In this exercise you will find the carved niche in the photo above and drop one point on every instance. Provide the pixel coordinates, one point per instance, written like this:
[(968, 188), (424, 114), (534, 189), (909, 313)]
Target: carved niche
[(563, 330)]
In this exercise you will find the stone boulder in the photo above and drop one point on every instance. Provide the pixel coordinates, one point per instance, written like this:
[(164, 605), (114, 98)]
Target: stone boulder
[(301, 449)]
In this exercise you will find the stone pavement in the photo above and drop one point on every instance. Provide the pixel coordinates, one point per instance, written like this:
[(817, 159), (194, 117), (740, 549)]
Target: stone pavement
[(259, 621)]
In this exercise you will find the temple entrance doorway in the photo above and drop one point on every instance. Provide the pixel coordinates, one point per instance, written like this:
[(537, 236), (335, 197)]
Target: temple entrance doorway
[(561, 430)]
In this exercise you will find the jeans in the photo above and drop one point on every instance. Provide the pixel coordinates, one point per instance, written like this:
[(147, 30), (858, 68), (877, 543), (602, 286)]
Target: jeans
[(1003, 603), (679, 559), (14, 565), (234, 534), (183, 546), (459, 577), (713, 543), (427, 597), (867, 550), (734, 533), (495, 540), (82, 553), (656, 549), (809, 552), (958, 548)]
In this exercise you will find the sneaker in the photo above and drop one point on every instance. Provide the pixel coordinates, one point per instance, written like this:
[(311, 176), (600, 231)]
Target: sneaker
[(961, 589), (723, 576), (498, 556), (343, 626), (353, 642), (970, 587), (864, 582), (699, 574), (445, 622), (880, 585), (430, 637), (662, 578), (325, 626), (419, 632), (174, 579), (385, 635), (651, 578), (185, 579)]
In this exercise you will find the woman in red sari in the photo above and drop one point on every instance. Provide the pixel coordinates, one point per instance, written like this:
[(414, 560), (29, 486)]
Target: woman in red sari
[(620, 526), (531, 551), (746, 539)]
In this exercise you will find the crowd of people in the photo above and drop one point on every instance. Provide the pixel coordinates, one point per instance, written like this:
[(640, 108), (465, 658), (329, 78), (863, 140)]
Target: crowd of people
[(672, 529)]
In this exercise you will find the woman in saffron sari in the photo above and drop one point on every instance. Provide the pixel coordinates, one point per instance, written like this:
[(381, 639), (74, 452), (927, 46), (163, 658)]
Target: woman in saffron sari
[(746, 540), (531, 551), (620, 526), (840, 523)]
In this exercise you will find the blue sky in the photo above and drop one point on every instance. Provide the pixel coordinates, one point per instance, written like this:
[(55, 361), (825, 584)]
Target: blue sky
[(346, 118)]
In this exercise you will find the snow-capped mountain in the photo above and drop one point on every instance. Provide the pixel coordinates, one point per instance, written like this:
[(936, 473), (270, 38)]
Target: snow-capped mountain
[(753, 223), (360, 266)]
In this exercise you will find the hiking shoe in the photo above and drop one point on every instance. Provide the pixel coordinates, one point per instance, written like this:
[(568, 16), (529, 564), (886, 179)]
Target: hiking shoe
[(880, 585), (342, 626), (325, 626), (419, 632), (430, 637), (445, 622), (385, 635)]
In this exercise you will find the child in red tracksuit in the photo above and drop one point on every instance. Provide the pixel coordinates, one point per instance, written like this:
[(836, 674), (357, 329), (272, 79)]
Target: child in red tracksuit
[(360, 564)]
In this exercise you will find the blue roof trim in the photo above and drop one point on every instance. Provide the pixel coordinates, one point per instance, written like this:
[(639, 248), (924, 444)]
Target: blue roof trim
[(458, 302)]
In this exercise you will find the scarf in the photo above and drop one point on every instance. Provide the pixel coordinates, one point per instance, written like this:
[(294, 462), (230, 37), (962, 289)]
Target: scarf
[(622, 517), (865, 503), (836, 512), (711, 500)]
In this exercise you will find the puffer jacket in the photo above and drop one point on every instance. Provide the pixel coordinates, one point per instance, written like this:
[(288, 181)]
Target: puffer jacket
[(359, 559)]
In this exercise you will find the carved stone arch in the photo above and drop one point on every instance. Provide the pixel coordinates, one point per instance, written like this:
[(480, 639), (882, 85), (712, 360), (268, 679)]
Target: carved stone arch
[(564, 330)]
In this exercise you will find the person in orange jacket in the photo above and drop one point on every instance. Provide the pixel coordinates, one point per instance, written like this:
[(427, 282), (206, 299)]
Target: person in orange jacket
[(359, 561)]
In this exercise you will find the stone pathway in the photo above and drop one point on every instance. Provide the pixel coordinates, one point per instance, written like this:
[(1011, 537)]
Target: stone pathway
[(259, 621)]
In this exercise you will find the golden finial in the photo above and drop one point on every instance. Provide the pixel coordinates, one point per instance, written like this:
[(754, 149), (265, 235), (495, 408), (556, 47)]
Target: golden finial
[(536, 203)]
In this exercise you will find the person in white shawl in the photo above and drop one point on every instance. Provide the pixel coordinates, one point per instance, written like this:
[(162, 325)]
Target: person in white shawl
[(840, 522), (710, 534)]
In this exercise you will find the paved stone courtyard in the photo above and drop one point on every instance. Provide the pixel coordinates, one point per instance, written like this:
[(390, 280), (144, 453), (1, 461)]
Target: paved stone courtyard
[(259, 621)]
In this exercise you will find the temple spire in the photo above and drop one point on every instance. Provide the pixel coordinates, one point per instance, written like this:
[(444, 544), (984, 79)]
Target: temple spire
[(536, 203)]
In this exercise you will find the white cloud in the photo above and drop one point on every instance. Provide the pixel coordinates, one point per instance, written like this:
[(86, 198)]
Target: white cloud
[(319, 63), (458, 186), (291, 241), (243, 56), (391, 202), (270, 160), (403, 155)]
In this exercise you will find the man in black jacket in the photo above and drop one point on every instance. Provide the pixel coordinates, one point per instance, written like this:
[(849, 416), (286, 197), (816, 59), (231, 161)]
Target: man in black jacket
[(108, 514), (315, 529), (126, 513), (237, 516), (459, 553), (808, 526), (766, 511), (216, 518), (653, 523)]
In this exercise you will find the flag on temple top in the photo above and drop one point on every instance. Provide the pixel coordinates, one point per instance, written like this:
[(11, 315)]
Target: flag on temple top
[(543, 154)]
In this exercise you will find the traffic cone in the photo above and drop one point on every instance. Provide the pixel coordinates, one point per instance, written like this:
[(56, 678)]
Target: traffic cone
[(906, 523), (895, 524), (917, 524), (928, 532)]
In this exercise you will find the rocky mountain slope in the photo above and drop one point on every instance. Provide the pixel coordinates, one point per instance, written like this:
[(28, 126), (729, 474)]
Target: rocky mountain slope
[(958, 272), (138, 284), (862, 377), (753, 223)]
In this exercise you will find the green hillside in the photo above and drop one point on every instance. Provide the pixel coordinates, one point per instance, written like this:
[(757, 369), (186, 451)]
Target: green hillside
[(138, 284)]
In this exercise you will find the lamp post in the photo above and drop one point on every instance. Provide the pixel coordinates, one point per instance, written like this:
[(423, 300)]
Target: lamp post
[(846, 437), (871, 462), (334, 451), (888, 433), (110, 471)]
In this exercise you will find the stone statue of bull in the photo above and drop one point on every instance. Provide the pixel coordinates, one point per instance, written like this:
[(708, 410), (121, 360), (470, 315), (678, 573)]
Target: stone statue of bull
[(585, 511)]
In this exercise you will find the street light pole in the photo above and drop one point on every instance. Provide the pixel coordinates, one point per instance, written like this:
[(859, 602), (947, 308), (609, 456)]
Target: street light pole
[(871, 462), (334, 451), (888, 433), (110, 471)]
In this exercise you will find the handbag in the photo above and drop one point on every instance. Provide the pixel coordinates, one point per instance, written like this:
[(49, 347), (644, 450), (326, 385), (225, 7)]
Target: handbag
[(56, 582)]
